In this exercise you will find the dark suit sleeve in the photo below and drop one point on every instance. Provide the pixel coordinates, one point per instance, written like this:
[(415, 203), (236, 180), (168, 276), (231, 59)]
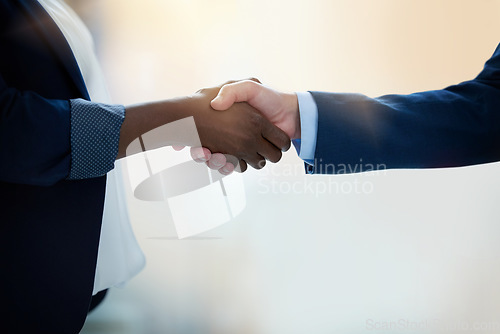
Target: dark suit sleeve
[(456, 126), (43, 141), (34, 137)]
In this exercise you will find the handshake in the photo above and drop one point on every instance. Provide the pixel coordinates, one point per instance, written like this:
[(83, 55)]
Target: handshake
[(239, 123)]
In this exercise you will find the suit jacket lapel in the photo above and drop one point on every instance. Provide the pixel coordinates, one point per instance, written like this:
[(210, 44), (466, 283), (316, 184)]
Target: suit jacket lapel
[(57, 42)]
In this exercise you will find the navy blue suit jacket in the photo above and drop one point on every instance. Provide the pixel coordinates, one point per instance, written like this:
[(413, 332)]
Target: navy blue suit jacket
[(50, 227), (456, 126)]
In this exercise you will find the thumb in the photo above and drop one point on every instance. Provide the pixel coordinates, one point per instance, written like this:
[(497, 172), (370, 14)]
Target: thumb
[(224, 99), (221, 101), (241, 91)]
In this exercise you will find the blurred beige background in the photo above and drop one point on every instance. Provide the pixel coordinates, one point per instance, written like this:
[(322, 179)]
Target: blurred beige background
[(420, 246)]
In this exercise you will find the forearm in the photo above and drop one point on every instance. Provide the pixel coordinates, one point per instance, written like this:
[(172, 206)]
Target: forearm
[(457, 126), (141, 118)]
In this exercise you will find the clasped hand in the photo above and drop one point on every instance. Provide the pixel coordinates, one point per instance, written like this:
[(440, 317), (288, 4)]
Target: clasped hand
[(273, 111), (238, 133)]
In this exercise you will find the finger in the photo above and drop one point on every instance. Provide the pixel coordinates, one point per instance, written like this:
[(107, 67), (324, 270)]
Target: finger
[(257, 161), (200, 154), (217, 161), (275, 136), (241, 167), (232, 159), (178, 147), (269, 151), (236, 92), (227, 169)]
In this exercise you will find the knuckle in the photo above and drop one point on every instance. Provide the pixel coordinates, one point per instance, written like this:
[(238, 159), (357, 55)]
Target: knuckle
[(256, 119), (223, 89), (207, 90), (254, 79), (202, 90), (250, 85)]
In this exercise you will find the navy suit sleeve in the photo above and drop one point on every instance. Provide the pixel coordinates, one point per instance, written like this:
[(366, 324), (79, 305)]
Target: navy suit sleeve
[(34, 137), (456, 126), (43, 141)]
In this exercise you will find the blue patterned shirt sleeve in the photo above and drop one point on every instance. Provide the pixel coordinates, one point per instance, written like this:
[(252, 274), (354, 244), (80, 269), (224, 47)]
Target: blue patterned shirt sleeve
[(95, 134)]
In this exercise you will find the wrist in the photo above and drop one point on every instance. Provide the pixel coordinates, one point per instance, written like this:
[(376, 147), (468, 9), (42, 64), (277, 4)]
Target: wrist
[(142, 118), (293, 114)]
